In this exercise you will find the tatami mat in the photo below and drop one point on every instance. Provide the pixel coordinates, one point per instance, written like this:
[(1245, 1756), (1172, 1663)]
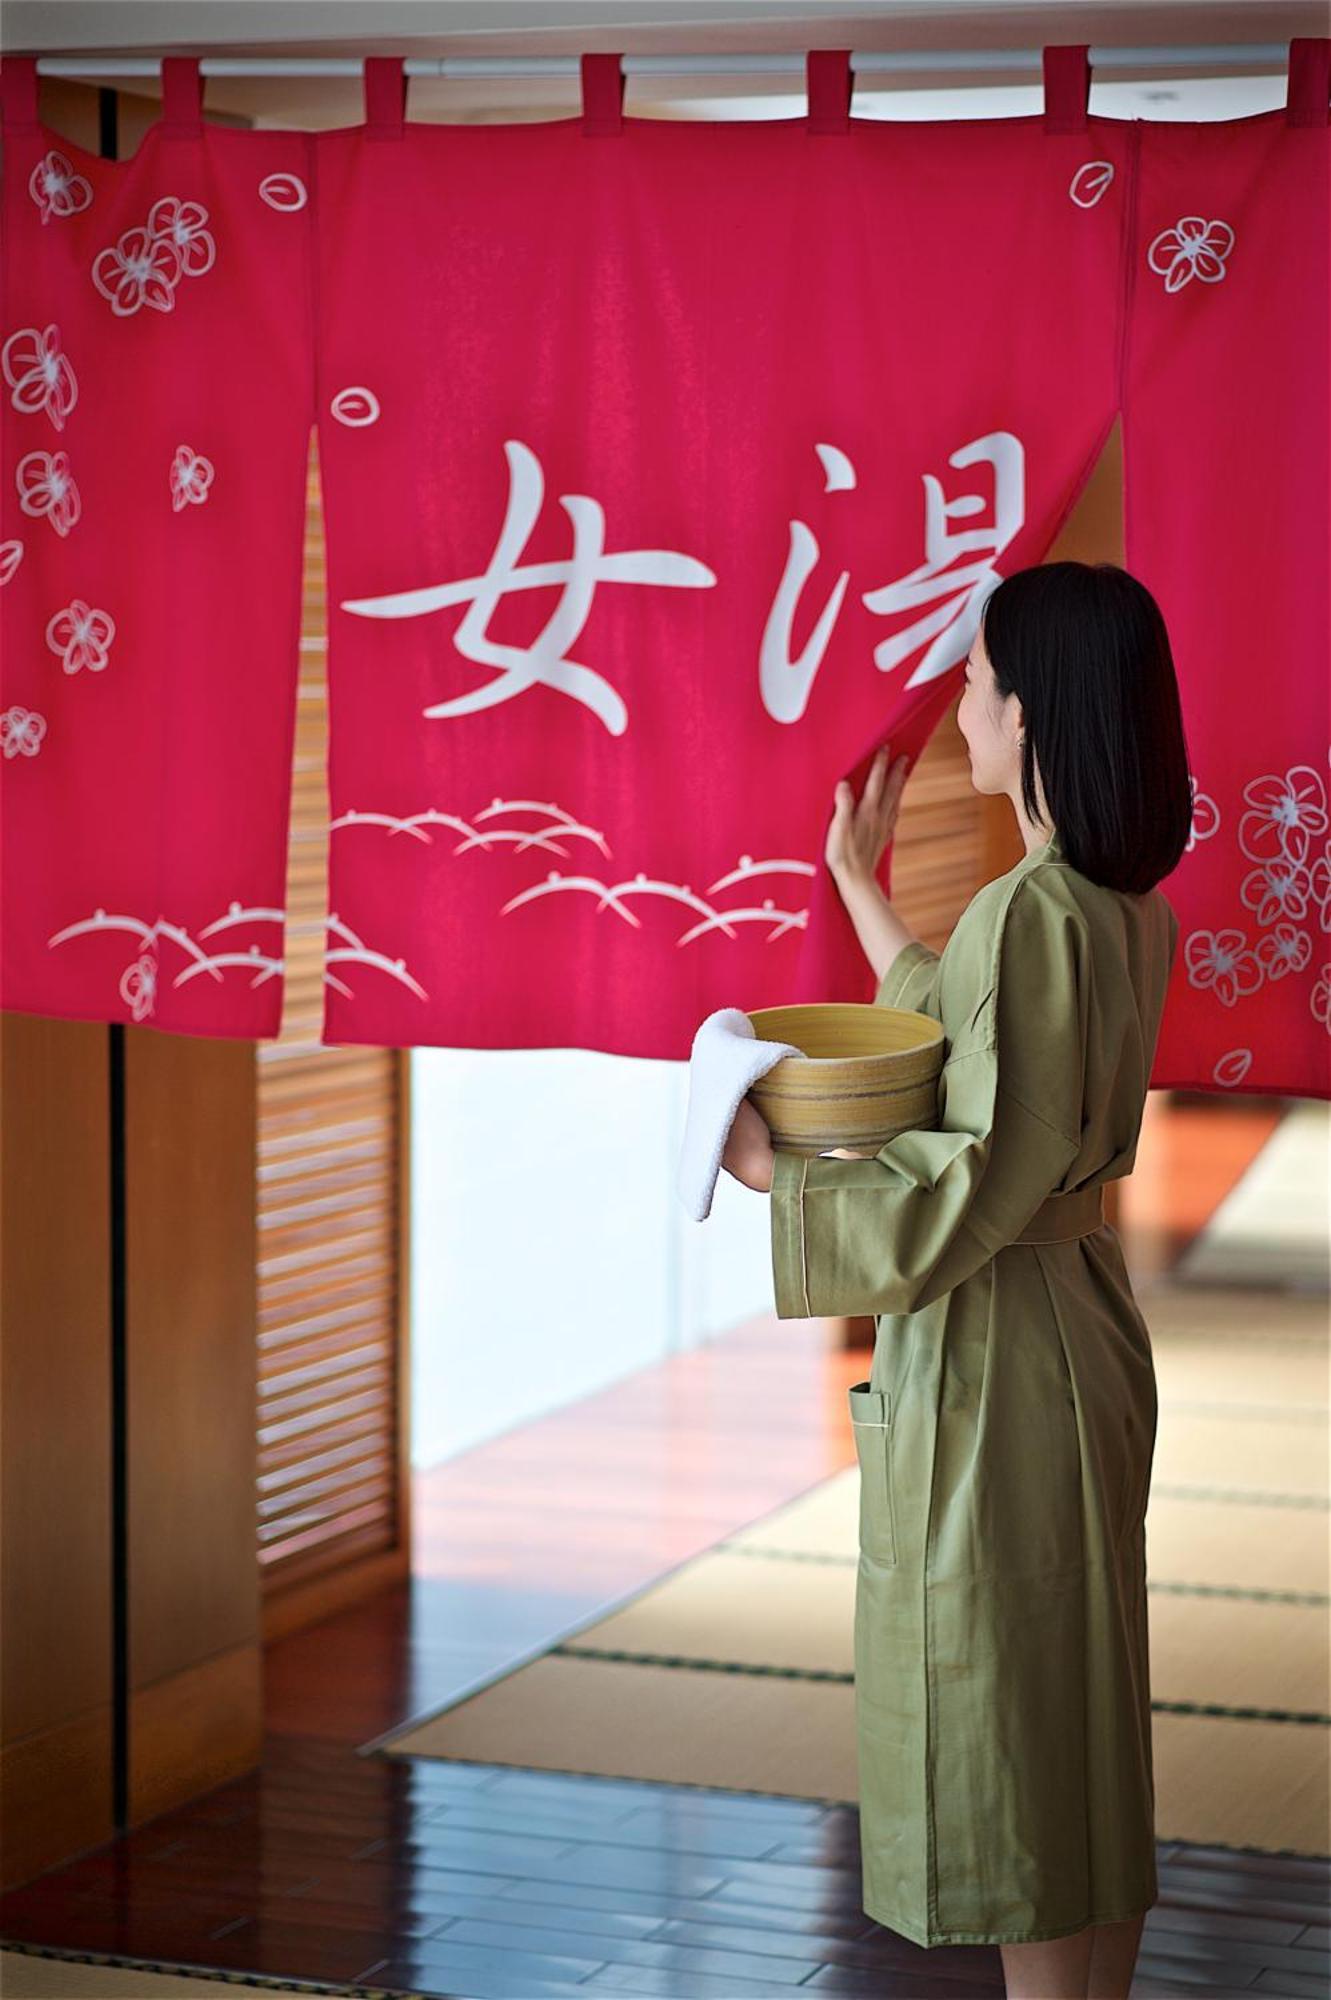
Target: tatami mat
[(34, 1976), (1272, 1227), (736, 1670)]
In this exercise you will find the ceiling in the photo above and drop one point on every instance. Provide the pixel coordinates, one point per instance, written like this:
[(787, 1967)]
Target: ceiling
[(433, 28)]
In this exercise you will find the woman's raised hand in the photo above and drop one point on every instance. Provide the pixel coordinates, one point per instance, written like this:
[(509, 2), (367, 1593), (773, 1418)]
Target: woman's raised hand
[(860, 831)]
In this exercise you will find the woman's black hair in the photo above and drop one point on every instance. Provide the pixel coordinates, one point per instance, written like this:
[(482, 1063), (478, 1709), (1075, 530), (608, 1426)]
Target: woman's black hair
[(1084, 648)]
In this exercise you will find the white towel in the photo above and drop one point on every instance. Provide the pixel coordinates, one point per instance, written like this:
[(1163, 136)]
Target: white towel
[(727, 1057)]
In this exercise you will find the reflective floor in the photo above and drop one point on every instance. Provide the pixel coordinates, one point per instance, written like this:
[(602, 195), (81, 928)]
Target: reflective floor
[(333, 1864)]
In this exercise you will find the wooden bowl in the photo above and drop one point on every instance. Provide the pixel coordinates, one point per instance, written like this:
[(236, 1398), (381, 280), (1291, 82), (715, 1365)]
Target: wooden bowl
[(872, 1072)]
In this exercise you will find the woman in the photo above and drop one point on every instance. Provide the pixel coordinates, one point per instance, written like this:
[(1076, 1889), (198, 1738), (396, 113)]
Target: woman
[(1006, 1431)]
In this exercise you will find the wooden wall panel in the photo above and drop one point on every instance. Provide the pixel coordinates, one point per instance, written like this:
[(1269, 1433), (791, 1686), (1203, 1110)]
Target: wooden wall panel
[(55, 1441), (193, 1594)]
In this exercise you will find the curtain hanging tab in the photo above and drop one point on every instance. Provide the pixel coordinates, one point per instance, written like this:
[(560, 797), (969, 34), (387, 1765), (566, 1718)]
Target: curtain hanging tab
[(829, 83), (385, 97), (602, 96), (1067, 86), (18, 94), (1308, 96), (182, 98)]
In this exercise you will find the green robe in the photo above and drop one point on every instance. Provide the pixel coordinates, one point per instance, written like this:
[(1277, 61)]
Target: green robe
[(1006, 1431)]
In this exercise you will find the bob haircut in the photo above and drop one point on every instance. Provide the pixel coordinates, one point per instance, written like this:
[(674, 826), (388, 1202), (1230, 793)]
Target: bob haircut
[(1084, 648)]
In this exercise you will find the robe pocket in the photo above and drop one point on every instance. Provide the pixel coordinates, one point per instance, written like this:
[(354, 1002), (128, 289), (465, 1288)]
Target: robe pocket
[(871, 1416)]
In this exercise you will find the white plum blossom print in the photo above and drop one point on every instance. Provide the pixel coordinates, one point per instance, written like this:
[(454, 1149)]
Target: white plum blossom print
[(40, 376), (1205, 816), (1090, 181), (1279, 889), (21, 732), (11, 555), (182, 223), (284, 192), (46, 489), (191, 476), (138, 985), (81, 636), (1319, 883), (1231, 1068), (1193, 248), (1284, 949), (1284, 814), (1321, 998), (1223, 963), (1283, 830), (139, 270), (147, 263), (57, 190), (355, 406)]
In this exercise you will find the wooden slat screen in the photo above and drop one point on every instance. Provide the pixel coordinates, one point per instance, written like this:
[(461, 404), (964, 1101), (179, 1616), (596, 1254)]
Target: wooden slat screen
[(330, 1124), (945, 842)]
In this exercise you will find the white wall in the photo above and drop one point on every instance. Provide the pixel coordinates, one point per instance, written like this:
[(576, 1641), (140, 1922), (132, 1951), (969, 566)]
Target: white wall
[(550, 1252)]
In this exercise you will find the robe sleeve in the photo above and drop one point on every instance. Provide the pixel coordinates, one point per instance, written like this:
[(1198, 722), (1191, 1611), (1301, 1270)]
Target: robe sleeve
[(893, 1233), (911, 980)]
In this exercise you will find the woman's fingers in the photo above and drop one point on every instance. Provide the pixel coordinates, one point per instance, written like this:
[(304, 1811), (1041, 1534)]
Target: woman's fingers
[(872, 795), (882, 784)]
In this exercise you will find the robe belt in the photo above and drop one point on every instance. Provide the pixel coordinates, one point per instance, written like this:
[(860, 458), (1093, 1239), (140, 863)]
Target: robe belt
[(1062, 1216)]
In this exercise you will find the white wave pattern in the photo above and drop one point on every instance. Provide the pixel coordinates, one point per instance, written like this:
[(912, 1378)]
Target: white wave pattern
[(1283, 830), (57, 190), (138, 981), (609, 895), (355, 950), (146, 264), (40, 375)]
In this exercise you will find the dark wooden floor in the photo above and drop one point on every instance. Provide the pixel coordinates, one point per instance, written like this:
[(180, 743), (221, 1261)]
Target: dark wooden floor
[(332, 1863)]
